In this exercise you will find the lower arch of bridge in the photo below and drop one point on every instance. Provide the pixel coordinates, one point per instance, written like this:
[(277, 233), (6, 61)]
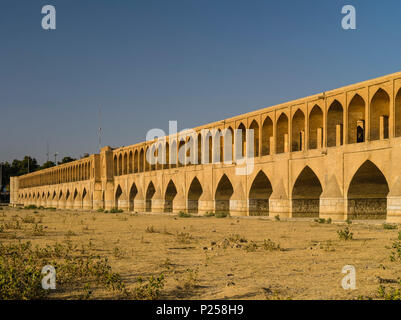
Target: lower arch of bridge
[(223, 195), (259, 195), (367, 193), (150, 191), (119, 192), (194, 193), (169, 196), (306, 194), (132, 194)]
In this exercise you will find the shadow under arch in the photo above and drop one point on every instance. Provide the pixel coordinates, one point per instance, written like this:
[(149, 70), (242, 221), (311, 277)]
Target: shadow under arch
[(118, 194), (171, 192), (131, 198), (306, 194), (194, 193), (259, 195), (150, 191), (224, 191), (367, 193)]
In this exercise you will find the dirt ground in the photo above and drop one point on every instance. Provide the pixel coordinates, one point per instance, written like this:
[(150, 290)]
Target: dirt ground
[(224, 258)]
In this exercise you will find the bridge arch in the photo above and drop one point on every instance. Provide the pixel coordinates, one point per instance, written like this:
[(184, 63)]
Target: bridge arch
[(335, 117), (223, 194), (398, 114), (316, 128), (282, 134), (255, 127), (267, 133), (117, 196), (306, 194), (169, 195), (259, 195), (194, 193), (150, 192), (356, 120), (379, 115), (367, 193), (131, 197), (298, 131)]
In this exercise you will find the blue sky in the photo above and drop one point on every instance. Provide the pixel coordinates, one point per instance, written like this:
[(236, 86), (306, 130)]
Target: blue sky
[(194, 61)]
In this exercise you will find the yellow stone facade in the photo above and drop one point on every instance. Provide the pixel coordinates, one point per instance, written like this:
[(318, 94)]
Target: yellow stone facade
[(332, 155)]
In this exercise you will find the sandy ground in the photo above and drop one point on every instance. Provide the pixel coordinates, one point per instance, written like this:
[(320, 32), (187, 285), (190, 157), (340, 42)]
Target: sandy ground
[(199, 264)]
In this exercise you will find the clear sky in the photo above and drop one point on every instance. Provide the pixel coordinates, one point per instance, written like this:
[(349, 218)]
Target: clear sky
[(194, 61)]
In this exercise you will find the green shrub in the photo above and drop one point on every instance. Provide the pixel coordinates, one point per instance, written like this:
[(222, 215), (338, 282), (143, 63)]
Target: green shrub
[(221, 214), (270, 245), (388, 226), (100, 210), (149, 290), (182, 214), (116, 210), (345, 234), (21, 266), (277, 218), (31, 207)]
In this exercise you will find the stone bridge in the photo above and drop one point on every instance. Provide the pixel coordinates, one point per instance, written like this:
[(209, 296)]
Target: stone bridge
[(335, 154)]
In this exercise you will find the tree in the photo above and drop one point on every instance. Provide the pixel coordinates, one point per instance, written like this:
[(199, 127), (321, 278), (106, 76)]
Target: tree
[(47, 164), (66, 160)]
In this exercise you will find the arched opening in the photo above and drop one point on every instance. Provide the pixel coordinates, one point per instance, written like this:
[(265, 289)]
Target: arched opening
[(210, 142), (194, 193), (166, 156), (316, 128), (119, 192), (259, 195), (171, 192), (379, 115), (147, 164), (120, 165), (141, 161), (267, 134), (335, 118), (173, 154), (356, 120), (130, 163), (223, 194), (181, 153), (153, 157), (115, 166), (282, 134), (242, 131), (75, 194), (67, 195), (306, 194), (229, 145), (125, 164), (367, 193), (298, 131), (199, 149), (255, 127), (149, 195), (136, 161), (398, 114), (132, 194)]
